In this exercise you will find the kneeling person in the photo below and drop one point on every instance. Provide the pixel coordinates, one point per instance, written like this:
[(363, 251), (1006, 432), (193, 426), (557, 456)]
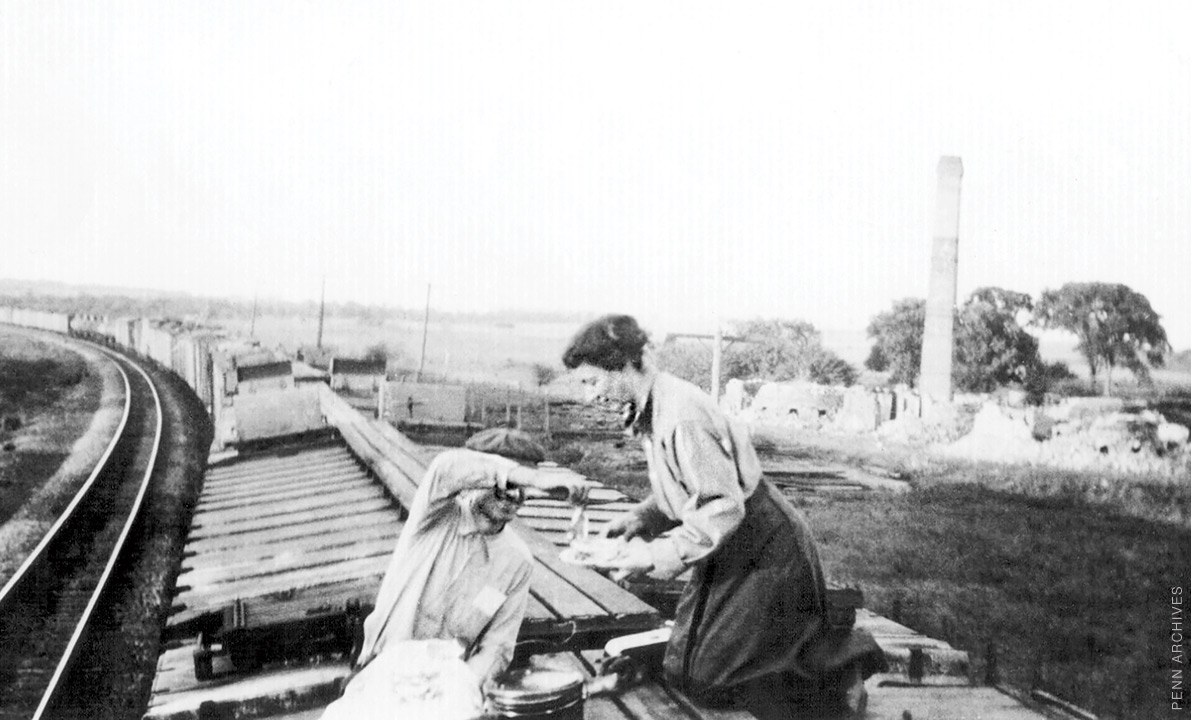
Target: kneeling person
[(457, 572)]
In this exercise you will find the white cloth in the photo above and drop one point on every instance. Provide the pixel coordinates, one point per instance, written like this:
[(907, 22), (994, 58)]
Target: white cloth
[(412, 679), (446, 580)]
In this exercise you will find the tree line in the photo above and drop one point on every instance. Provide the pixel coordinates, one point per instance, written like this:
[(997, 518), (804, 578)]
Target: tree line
[(215, 310), (1116, 328)]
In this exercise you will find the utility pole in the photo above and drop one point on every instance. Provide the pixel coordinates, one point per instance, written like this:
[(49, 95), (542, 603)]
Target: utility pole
[(322, 306), (425, 326), (252, 326)]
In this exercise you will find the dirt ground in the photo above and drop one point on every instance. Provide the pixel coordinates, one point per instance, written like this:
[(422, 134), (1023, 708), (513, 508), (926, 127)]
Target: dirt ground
[(619, 461)]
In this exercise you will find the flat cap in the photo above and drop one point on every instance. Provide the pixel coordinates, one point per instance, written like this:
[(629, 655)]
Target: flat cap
[(513, 444)]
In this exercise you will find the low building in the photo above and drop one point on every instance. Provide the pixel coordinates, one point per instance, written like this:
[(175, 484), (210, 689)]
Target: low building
[(356, 376), (267, 376)]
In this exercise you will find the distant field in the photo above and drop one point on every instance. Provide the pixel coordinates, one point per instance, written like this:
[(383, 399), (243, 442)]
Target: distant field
[(471, 351)]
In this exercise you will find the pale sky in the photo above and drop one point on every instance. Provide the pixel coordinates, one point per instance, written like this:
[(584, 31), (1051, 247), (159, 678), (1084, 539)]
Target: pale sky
[(671, 160)]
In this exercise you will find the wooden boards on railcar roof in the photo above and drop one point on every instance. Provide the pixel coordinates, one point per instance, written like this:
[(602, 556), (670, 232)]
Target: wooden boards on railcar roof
[(281, 525)]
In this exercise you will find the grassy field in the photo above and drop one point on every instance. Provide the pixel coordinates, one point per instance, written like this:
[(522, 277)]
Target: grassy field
[(465, 350), (1074, 597), (35, 374), (1067, 574), (47, 398)]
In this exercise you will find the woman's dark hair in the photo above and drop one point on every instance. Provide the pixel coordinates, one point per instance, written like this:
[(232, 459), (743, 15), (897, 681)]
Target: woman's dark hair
[(609, 343)]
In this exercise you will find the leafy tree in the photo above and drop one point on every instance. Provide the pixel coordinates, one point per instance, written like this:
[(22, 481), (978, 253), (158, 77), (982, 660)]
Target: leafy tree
[(775, 349), (827, 368), (1044, 378), (877, 361), (544, 374), (785, 350), (897, 336), (1115, 326), (380, 352), (991, 348), (771, 350)]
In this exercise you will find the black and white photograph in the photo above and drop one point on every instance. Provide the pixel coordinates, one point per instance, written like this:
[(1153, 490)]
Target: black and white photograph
[(526, 360)]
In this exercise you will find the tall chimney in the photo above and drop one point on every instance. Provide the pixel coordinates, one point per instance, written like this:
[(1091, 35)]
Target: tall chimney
[(938, 336)]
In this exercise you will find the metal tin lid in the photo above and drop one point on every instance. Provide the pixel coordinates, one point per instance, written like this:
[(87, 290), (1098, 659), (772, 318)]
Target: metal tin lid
[(537, 688)]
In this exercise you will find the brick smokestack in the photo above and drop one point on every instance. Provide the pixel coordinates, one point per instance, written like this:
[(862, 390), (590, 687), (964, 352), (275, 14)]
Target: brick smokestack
[(938, 338)]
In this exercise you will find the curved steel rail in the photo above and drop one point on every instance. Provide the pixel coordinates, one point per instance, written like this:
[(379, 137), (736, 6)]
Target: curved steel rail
[(117, 550), (40, 554)]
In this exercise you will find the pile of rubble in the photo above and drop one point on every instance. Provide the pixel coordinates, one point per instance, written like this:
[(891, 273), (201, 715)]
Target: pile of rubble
[(801, 405), (1077, 434), (1074, 433), (897, 414)]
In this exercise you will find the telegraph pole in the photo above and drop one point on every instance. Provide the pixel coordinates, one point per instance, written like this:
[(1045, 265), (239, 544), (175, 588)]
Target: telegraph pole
[(322, 306), (717, 356), (425, 325)]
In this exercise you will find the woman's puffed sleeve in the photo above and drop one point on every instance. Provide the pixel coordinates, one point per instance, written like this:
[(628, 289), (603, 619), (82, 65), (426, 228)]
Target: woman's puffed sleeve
[(454, 471), (715, 507)]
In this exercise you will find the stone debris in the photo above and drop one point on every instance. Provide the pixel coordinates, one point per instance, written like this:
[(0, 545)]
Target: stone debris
[(1074, 436), (735, 398), (796, 404), (860, 412), (1074, 433), (1173, 435), (998, 433)]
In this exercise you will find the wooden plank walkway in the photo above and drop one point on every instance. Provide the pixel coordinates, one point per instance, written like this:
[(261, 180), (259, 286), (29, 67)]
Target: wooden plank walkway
[(552, 518), (284, 527), (800, 476)]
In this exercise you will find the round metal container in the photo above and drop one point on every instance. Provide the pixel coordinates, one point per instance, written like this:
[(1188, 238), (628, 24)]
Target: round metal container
[(535, 693)]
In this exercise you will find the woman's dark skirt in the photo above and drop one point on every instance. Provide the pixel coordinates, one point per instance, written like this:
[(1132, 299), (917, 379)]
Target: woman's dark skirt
[(753, 613)]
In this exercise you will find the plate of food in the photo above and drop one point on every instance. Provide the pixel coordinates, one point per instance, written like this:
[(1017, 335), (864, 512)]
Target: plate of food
[(593, 552)]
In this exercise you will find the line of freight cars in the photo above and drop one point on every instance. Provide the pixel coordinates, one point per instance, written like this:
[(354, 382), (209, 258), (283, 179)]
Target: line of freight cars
[(198, 356)]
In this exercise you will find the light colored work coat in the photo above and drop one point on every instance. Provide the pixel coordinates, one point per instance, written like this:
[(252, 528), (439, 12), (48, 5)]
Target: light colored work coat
[(702, 470), (446, 580)]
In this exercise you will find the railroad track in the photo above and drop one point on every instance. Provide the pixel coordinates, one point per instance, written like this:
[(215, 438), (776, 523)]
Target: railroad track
[(46, 608)]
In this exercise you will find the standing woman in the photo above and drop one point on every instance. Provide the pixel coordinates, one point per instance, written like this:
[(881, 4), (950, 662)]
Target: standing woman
[(750, 629)]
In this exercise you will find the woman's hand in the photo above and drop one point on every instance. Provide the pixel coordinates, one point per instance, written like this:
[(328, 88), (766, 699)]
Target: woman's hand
[(633, 560), (629, 525)]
